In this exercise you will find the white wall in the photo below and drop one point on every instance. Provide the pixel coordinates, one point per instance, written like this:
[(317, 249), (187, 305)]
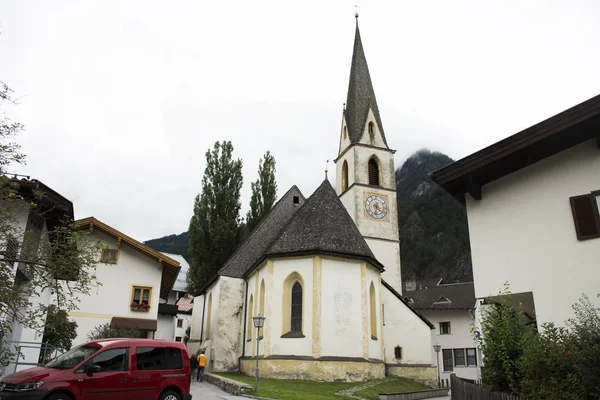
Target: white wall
[(342, 325), (522, 232), (460, 337), (166, 327), (113, 297), (186, 320), (197, 318), (404, 328)]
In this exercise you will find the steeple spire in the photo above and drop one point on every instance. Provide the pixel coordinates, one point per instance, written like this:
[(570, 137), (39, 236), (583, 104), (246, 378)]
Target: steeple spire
[(361, 95)]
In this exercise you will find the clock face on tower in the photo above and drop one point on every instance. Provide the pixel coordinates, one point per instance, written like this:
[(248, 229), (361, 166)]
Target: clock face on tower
[(376, 206)]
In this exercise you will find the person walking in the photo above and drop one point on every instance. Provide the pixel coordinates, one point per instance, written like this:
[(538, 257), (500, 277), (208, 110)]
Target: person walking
[(201, 365), (194, 366)]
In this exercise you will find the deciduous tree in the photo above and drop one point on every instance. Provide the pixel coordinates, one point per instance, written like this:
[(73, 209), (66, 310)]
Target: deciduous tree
[(214, 227), (35, 264)]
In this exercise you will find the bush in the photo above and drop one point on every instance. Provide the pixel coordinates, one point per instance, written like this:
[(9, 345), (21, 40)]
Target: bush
[(504, 334), (105, 331), (560, 363)]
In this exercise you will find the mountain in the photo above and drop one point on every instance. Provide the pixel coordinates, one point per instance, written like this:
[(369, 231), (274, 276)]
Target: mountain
[(434, 236), (175, 244)]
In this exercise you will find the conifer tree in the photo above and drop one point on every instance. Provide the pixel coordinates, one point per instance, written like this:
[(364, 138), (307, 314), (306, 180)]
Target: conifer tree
[(215, 224), (264, 191)]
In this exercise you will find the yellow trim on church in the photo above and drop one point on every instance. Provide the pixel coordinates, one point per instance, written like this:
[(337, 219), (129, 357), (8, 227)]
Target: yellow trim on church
[(316, 312), (286, 308), (269, 288)]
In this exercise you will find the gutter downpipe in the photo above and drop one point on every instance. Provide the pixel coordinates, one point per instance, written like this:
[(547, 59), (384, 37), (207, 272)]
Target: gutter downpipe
[(244, 327), (202, 326)]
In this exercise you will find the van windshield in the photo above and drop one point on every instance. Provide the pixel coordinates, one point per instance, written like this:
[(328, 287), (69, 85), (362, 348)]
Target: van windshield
[(72, 357)]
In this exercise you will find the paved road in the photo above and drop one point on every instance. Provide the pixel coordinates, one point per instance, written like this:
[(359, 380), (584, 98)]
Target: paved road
[(207, 391)]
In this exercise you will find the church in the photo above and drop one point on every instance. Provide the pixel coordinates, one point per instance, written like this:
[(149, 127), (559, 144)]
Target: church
[(324, 271)]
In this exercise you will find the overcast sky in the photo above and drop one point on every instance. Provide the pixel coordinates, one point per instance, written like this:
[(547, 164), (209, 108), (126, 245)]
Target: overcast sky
[(121, 99)]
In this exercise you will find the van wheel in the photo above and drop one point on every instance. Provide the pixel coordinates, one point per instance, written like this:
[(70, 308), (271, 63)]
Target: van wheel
[(59, 396), (170, 395)]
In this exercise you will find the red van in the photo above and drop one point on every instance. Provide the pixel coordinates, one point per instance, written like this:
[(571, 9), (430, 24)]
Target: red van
[(115, 369)]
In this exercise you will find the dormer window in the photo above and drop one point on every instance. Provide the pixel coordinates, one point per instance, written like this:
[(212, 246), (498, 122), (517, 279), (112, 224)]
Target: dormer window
[(371, 129), (443, 299), (373, 172)]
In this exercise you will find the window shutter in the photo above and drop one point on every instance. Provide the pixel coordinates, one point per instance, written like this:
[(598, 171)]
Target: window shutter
[(585, 216)]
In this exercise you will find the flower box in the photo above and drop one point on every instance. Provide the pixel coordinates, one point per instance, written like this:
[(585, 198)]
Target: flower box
[(139, 307)]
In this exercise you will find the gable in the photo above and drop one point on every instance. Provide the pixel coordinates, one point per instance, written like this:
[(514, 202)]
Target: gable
[(170, 267)]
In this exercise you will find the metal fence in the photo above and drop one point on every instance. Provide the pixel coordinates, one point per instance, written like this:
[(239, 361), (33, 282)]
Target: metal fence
[(465, 390), (45, 353)]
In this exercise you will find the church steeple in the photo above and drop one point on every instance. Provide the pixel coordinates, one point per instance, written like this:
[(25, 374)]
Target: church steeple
[(361, 96)]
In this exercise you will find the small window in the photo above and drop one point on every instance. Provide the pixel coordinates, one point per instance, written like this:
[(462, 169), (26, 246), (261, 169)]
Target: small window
[(296, 199), (444, 328), (371, 129), (141, 296), (373, 172), (459, 357), (443, 299), (158, 358), (344, 176), (109, 256), (111, 360), (448, 362), (180, 323), (178, 338), (585, 209), (345, 133), (397, 352), (471, 358)]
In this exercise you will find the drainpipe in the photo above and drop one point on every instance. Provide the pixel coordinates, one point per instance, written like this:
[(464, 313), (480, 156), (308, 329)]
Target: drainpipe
[(244, 327), (202, 326)]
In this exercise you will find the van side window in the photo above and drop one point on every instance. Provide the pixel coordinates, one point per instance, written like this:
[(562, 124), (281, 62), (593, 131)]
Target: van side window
[(112, 360), (154, 358)]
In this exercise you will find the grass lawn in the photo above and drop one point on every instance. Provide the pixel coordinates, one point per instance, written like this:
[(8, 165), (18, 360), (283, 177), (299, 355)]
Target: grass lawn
[(302, 390), (391, 386), (292, 389)]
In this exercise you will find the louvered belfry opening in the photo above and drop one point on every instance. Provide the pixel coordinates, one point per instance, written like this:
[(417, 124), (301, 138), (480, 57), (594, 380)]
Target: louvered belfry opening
[(373, 172)]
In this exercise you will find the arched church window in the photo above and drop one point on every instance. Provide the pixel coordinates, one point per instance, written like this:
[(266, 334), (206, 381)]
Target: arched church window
[(261, 307), (373, 172), (345, 133), (208, 316), (371, 129), (296, 321), (344, 176), (249, 319), (373, 312)]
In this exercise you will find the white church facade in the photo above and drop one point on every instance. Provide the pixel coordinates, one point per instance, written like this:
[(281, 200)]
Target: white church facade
[(324, 271)]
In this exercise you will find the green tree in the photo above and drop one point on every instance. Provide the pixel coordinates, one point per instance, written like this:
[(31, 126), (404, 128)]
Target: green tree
[(59, 261), (264, 191), (503, 338), (59, 331), (214, 227), (105, 331)]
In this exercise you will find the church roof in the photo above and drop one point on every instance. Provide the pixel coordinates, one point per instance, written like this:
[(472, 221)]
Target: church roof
[(253, 248), (361, 94), (322, 225)]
